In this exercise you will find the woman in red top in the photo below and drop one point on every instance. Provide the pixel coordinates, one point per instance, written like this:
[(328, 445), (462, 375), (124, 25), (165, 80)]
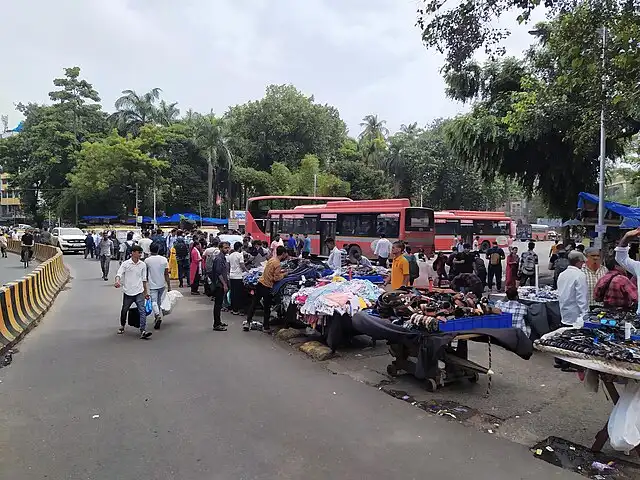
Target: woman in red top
[(512, 267)]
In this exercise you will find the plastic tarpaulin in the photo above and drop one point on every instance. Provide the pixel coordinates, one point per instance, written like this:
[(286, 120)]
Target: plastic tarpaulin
[(99, 217), (625, 211)]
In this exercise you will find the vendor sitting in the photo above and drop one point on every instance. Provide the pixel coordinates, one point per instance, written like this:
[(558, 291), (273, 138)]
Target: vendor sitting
[(358, 259), (468, 282), (517, 310), (615, 289)]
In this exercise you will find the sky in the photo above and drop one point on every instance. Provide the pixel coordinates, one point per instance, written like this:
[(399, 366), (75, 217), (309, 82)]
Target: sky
[(361, 56)]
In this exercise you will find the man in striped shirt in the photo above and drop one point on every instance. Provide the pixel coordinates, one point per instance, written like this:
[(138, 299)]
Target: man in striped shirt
[(594, 271)]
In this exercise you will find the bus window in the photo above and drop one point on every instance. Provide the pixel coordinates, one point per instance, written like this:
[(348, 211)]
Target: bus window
[(308, 224), (490, 227), (389, 224), (356, 225), (448, 227), (418, 220)]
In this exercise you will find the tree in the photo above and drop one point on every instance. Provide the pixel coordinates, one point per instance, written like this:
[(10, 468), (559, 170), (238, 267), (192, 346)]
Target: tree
[(284, 126), (134, 111), (210, 136), (309, 174), (109, 170), (167, 113)]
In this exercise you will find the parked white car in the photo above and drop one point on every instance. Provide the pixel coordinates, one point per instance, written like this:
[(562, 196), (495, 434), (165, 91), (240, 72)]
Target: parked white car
[(68, 239)]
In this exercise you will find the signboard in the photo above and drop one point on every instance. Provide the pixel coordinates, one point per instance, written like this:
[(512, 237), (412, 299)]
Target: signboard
[(139, 218), (601, 228), (234, 224), (239, 215)]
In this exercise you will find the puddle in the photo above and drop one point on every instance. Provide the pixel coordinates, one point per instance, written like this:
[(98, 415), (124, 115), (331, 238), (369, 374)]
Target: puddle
[(582, 460)]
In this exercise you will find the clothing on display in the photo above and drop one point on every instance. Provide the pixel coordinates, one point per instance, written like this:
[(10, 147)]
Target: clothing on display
[(337, 297), (542, 294)]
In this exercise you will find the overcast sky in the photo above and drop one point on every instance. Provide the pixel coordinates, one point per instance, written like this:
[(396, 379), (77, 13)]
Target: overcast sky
[(362, 56)]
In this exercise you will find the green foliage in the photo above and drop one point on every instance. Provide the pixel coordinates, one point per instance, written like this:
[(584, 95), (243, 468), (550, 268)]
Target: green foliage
[(283, 127)]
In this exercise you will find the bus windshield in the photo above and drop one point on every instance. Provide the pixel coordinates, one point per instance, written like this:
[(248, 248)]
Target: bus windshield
[(418, 220)]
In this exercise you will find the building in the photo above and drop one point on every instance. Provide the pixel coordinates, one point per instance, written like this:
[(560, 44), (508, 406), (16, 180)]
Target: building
[(10, 205)]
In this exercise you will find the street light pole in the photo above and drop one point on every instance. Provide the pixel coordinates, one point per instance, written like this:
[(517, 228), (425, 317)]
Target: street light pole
[(155, 222), (136, 209), (603, 138)]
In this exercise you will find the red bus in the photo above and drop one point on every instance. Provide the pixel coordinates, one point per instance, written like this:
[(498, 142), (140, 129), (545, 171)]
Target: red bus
[(356, 223), (467, 224)]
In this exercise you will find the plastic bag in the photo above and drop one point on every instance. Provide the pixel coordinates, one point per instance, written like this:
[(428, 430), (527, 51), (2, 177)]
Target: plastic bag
[(148, 306), (169, 300), (624, 422)]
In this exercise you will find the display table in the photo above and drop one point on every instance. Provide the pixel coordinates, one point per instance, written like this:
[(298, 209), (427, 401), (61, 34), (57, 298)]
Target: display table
[(609, 373)]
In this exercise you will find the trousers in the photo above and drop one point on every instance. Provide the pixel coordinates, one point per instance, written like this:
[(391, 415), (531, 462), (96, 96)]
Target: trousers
[(495, 271), (127, 301), (183, 271), (156, 299), (236, 294), (262, 293), (218, 300), (105, 263)]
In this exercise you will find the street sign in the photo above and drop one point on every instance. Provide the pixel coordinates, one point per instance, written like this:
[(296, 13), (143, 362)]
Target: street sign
[(139, 220), (601, 228), (234, 224)]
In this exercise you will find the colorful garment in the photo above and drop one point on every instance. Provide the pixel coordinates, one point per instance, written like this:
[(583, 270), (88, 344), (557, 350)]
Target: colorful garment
[(173, 265)]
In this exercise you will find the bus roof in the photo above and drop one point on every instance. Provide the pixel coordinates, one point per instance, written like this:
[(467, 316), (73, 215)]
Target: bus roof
[(353, 206), (296, 197), (473, 214)]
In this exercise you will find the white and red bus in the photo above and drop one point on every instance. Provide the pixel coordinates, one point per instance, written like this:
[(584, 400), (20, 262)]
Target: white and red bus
[(356, 223), (467, 224)]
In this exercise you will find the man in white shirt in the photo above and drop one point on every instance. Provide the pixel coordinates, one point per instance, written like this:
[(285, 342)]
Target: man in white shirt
[(382, 250), (622, 257), (132, 277), (236, 269), (335, 255), (572, 290), (145, 243), (158, 278)]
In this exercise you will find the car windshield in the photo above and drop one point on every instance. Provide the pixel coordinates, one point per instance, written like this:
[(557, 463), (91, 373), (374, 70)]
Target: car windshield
[(71, 231)]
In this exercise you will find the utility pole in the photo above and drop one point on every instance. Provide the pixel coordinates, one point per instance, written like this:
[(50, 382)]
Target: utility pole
[(135, 210), (421, 188), (76, 209), (315, 184), (155, 222), (601, 227)]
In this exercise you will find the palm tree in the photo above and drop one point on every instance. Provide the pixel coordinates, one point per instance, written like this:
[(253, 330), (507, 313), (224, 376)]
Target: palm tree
[(134, 111), (167, 113), (210, 138), (373, 128)]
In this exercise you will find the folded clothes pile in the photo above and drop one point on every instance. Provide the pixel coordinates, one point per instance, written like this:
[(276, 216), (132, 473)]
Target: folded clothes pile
[(542, 294), (606, 343), (425, 311), (337, 297)]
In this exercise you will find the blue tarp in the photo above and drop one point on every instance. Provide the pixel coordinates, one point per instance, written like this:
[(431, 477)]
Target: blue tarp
[(630, 215), (144, 220)]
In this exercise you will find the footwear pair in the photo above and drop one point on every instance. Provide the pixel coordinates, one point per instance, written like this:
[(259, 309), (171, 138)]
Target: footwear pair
[(156, 326), (144, 335), (220, 328)]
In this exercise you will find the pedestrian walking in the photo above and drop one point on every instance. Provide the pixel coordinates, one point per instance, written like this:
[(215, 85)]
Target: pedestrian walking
[(89, 245), (145, 242), (182, 259), (159, 281), (220, 284), (195, 268), (236, 269), (132, 277), (382, 250), (528, 262), (106, 247), (3, 245)]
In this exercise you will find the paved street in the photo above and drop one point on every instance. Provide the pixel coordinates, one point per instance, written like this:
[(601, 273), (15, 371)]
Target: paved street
[(11, 268), (196, 404)]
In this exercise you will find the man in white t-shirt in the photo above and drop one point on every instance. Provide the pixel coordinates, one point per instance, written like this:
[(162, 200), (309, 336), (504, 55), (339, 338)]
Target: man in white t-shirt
[(132, 277), (335, 255), (236, 269), (158, 279), (145, 243), (382, 250)]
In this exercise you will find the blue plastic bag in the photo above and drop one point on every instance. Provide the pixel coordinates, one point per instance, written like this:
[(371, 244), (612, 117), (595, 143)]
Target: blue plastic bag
[(148, 306)]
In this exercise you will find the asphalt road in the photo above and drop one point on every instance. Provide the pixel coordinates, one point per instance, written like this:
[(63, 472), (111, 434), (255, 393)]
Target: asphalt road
[(11, 268), (80, 402)]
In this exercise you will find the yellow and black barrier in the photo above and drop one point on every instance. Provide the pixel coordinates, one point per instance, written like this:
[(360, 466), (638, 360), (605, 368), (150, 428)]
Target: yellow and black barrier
[(24, 302)]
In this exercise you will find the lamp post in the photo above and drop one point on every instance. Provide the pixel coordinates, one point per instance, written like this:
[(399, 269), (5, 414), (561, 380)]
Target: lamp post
[(601, 227)]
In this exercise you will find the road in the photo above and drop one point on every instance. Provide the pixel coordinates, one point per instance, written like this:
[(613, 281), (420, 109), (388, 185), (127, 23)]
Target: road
[(11, 268), (80, 402)]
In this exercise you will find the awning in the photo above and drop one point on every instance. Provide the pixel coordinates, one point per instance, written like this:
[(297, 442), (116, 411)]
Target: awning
[(629, 217), (619, 208)]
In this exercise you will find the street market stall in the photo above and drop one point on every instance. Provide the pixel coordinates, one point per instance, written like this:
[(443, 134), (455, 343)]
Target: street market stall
[(607, 351), (543, 309), (424, 325)]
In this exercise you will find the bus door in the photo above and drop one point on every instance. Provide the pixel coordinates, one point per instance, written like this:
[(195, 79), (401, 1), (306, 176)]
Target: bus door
[(467, 231), (272, 228), (327, 230)]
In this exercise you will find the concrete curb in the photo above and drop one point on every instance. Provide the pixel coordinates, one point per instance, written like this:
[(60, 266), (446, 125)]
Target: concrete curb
[(24, 302)]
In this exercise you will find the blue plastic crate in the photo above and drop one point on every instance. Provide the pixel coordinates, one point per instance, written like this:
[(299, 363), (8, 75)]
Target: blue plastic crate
[(503, 320)]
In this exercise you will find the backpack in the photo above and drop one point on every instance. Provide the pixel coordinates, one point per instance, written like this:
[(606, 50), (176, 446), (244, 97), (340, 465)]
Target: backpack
[(414, 268), (495, 258), (182, 250), (209, 263), (128, 248), (529, 263), (161, 243)]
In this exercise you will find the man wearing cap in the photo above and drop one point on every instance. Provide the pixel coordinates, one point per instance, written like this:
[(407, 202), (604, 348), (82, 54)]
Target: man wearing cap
[(594, 270), (573, 294)]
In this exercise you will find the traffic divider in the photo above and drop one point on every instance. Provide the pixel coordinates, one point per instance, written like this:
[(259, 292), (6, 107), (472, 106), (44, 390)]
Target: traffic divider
[(24, 301)]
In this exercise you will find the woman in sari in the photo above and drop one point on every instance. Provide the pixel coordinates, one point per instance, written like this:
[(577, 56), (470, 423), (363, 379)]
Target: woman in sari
[(173, 265), (195, 268), (512, 268)]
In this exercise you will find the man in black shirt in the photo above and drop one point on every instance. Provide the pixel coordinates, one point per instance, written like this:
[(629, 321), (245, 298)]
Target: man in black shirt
[(27, 244), (220, 285), (464, 260)]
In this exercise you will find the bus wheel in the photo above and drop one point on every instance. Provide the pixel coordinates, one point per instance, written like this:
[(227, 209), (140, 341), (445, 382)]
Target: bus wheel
[(353, 249), (485, 246)]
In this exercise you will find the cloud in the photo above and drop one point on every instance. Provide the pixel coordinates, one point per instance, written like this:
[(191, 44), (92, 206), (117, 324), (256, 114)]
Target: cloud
[(362, 56)]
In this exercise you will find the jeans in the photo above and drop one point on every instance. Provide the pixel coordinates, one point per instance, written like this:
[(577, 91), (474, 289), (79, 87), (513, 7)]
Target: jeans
[(196, 283), (218, 299), (105, 263), (183, 271), (524, 278), (237, 289), (495, 271), (88, 250), (156, 299), (127, 301), (262, 293), (382, 262)]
